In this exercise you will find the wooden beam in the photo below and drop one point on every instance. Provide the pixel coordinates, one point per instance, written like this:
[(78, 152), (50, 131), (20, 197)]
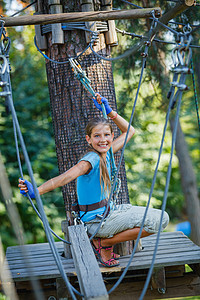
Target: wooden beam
[(88, 272), (81, 16), (172, 13)]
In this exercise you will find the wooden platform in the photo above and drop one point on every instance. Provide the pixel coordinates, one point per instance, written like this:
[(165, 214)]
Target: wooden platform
[(174, 252)]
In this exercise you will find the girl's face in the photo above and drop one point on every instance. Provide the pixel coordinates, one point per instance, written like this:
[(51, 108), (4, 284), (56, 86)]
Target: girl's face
[(101, 138)]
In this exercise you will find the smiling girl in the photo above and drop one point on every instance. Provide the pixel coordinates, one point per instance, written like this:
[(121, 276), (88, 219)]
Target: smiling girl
[(93, 173)]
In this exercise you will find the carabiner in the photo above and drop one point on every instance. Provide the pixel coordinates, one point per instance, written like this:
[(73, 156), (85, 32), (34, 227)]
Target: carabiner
[(4, 66)]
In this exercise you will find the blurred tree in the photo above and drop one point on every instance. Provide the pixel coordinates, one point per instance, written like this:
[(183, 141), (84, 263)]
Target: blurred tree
[(158, 76)]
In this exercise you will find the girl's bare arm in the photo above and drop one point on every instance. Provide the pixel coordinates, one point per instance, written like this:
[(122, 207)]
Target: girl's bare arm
[(79, 169), (122, 124)]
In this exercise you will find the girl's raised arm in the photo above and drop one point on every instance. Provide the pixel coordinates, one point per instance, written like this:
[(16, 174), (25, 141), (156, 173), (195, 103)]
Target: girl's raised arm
[(121, 123)]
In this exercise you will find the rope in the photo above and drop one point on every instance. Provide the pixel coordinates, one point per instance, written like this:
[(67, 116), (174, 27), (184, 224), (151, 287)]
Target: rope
[(133, 35), (55, 61), (195, 94), (122, 151), (132, 4), (21, 10), (81, 76), (164, 198), (6, 78), (123, 148), (22, 177), (179, 96), (149, 199), (101, 27)]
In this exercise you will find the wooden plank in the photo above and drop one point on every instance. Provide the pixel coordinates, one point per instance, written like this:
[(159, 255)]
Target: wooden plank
[(81, 16), (165, 235), (189, 285), (88, 272), (162, 250), (174, 250), (111, 35), (57, 32)]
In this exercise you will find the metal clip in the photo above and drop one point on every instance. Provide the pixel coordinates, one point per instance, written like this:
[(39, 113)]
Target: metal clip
[(180, 86), (184, 70), (4, 65)]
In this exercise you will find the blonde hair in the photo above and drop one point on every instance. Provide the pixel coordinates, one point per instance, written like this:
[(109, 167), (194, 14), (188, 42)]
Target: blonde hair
[(104, 175)]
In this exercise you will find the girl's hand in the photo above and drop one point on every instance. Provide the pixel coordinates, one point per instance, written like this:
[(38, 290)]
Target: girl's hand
[(26, 187), (99, 100)]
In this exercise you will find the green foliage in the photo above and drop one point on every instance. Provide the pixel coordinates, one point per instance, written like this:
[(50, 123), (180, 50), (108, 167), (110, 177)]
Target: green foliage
[(3, 297)]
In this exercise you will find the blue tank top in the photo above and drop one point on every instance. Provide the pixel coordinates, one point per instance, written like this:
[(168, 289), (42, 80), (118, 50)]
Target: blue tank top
[(89, 190)]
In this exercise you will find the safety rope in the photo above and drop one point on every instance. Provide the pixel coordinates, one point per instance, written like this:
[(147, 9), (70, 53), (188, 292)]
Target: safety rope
[(82, 77), (134, 35), (7, 92), (179, 93), (55, 61), (181, 51), (195, 94), (23, 9), (22, 177)]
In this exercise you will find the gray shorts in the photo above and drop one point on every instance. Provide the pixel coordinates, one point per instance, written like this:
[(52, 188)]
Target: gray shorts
[(126, 216)]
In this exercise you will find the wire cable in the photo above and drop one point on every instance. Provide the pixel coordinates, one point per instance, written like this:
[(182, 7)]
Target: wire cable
[(22, 177), (55, 61), (40, 206), (137, 6), (150, 195), (195, 94), (165, 195), (122, 151), (21, 10)]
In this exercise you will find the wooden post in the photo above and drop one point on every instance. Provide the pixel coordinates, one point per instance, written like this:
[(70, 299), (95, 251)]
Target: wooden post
[(87, 5), (158, 280), (111, 35), (40, 39), (67, 249), (87, 269), (57, 32)]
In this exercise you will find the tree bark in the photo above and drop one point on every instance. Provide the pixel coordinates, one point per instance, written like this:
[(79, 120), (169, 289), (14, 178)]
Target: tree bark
[(189, 184), (72, 105)]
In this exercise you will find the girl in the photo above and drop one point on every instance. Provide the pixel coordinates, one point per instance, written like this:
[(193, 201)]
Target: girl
[(93, 186)]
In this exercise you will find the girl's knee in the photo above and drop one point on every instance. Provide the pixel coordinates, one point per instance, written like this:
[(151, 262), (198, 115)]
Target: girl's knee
[(165, 221)]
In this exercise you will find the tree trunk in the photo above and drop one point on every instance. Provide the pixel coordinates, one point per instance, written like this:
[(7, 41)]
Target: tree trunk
[(189, 184), (71, 104)]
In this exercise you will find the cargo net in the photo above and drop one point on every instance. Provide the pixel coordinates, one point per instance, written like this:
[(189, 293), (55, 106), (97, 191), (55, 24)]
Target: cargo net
[(72, 108)]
